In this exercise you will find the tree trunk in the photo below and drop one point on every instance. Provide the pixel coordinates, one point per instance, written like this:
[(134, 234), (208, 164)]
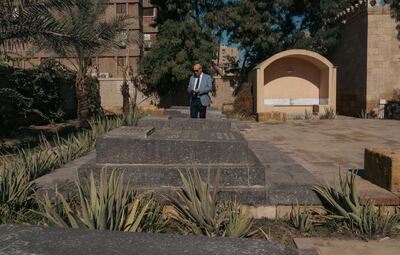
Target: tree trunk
[(82, 100), (125, 93)]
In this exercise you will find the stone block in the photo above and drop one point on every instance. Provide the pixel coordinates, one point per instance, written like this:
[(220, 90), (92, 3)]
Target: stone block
[(168, 122), (382, 167), (165, 175), (127, 146), (271, 116), (292, 194), (260, 212), (24, 239)]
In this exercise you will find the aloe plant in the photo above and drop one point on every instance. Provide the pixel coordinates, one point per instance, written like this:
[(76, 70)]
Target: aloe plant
[(300, 218), (343, 205), (197, 210), (110, 205)]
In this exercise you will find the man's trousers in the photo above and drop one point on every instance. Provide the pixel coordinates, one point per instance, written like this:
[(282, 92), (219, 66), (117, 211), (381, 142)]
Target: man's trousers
[(196, 109)]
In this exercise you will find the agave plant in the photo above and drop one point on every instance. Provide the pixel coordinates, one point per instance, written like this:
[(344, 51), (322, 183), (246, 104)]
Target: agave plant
[(300, 218), (342, 204), (196, 209), (109, 206)]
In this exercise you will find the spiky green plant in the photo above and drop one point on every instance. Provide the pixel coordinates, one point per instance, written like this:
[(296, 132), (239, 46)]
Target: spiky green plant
[(329, 114), (15, 195), (110, 205), (17, 172), (51, 155), (364, 114), (342, 204), (197, 210), (300, 218)]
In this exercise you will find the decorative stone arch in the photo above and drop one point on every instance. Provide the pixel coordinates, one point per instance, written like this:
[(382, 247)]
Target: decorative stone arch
[(294, 81)]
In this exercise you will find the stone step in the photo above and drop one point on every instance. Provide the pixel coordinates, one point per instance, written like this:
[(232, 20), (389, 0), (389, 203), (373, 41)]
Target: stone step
[(162, 175), (249, 196), (137, 145), (167, 122)]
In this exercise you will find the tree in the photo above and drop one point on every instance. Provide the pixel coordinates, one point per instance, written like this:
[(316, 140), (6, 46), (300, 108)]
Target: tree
[(26, 21), (187, 35), (263, 28), (87, 34), (395, 7)]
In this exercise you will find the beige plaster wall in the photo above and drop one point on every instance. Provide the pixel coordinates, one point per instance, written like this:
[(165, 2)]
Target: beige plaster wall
[(303, 81), (111, 97)]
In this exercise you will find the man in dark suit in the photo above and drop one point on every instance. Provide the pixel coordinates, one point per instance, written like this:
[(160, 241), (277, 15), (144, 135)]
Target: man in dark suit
[(200, 85)]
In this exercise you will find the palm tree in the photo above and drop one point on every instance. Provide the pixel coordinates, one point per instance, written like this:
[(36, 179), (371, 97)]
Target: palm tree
[(26, 21), (71, 28), (86, 34)]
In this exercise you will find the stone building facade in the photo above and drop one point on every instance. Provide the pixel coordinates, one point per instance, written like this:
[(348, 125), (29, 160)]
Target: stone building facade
[(368, 59)]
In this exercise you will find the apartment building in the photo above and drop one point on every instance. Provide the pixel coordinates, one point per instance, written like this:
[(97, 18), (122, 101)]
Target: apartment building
[(228, 57), (111, 64)]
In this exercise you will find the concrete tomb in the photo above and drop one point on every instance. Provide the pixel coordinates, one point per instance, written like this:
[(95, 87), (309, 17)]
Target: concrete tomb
[(152, 153)]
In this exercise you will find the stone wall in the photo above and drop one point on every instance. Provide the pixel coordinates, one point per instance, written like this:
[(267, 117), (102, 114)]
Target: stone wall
[(368, 60), (111, 97), (383, 57), (351, 59)]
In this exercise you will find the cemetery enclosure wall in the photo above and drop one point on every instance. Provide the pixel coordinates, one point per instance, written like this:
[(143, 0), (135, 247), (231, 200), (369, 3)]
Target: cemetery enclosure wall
[(368, 60)]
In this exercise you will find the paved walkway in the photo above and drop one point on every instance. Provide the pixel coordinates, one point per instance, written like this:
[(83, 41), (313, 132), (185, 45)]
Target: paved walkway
[(325, 146), (384, 246)]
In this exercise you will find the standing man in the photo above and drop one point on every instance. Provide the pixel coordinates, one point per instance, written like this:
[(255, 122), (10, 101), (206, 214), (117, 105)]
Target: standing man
[(200, 85)]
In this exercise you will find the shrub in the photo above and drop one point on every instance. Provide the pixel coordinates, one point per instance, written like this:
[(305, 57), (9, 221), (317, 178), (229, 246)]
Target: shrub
[(342, 205), (196, 209), (93, 86), (33, 93), (243, 103)]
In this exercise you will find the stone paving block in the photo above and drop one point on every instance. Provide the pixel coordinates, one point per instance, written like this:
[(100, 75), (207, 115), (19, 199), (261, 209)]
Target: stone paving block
[(291, 173), (382, 167), (292, 194), (260, 212), (23, 239)]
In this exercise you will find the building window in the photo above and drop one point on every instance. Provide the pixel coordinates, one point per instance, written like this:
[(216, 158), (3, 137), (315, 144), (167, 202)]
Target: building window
[(121, 9), (121, 61), (148, 12)]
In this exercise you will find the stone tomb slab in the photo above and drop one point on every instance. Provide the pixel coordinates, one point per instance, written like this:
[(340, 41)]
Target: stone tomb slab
[(23, 239), (179, 123), (133, 145)]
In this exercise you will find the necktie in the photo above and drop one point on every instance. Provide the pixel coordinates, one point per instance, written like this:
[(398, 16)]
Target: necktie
[(197, 83)]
